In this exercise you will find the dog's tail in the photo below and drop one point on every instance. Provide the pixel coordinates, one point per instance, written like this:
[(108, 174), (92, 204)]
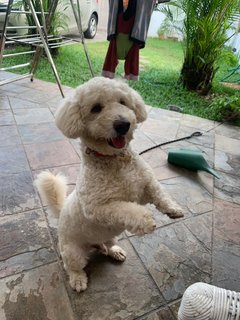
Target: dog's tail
[(53, 190)]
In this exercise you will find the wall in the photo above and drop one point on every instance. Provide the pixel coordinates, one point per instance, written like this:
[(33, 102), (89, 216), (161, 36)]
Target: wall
[(156, 21), (103, 14), (234, 42), (158, 17)]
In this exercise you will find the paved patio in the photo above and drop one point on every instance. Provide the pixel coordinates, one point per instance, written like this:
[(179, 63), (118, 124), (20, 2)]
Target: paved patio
[(202, 246)]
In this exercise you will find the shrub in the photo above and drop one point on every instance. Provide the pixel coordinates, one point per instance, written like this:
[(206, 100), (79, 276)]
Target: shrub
[(204, 28), (226, 108)]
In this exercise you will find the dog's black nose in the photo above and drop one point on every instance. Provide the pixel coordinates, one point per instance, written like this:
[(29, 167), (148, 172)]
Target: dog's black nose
[(121, 126)]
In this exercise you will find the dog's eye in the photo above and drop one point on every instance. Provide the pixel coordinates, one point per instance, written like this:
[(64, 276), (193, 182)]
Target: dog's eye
[(122, 101), (97, 108)]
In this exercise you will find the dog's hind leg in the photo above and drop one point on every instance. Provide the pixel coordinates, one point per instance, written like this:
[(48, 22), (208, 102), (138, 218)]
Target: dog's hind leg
[(75, 259), (114, 251)]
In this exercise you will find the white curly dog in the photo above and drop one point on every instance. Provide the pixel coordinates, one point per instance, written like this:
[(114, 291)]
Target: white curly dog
[(114, 182)]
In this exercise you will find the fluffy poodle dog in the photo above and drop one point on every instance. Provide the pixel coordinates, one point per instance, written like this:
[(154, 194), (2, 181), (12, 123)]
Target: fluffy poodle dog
[(114, 182)]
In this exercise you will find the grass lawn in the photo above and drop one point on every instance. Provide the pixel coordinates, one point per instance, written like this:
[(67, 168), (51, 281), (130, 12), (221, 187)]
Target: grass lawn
[(160, 61)]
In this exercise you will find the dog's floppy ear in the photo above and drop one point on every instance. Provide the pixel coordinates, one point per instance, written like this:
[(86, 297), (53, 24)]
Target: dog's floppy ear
[(68, 118), (138, 105)]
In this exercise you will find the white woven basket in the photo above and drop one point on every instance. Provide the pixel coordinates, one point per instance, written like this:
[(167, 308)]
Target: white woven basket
[(202, 301)]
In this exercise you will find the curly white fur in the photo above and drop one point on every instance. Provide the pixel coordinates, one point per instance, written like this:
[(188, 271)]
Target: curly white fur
[(113, 184), (53, 190)]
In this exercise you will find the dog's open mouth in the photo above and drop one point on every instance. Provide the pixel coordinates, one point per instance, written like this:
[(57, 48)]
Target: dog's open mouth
[(119, 142)]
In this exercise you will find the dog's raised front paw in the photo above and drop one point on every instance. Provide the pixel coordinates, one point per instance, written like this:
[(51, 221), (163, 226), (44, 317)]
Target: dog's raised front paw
[(175, 212), (145, 224), (78, 280), (117, 253)]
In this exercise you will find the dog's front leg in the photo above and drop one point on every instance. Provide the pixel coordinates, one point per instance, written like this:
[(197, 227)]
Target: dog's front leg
[(160, 198), (126, 215)]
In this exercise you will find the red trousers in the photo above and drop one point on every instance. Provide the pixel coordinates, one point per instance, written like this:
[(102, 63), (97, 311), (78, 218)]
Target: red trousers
[(131, 65)]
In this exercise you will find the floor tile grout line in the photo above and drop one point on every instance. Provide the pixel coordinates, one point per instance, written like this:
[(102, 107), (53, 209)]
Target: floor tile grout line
[(62, 139), (149, 274), (182, 220), (21, 212), (228, 173), (29, 165), (27, 270), (34, 143), (37, 194), (149, 138), (23, 100), (62, 270), (172, 303), (59, 166), (212, 238), (148, 313), (145, 268), (19, 135), (58, 258), (213, 212), (71, 165), (232, 202), (160, 308), (166, 302), (15, 94), (198, 240), (67, 287), (215, 196), (187, 176), (178, 127), (21, 253), (60, 263), (54, 245)]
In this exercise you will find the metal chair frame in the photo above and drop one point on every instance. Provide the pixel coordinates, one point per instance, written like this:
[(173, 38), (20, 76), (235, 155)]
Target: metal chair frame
[(42, 41)]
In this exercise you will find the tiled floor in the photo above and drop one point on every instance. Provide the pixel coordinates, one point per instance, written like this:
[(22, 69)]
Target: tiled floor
[(202, 246)]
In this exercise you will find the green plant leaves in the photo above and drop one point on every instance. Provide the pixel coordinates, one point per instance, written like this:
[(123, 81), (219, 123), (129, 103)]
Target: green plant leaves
[(226, 108), (204, 31)]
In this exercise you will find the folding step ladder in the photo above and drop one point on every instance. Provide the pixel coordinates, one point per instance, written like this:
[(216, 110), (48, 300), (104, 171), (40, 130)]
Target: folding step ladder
[(40, 41)]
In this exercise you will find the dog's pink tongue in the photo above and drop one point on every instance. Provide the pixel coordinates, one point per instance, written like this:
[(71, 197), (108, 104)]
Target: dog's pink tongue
[(119, 142)]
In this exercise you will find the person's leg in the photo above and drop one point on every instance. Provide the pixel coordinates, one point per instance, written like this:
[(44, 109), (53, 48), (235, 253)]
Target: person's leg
[(131, 66), (111, 60)]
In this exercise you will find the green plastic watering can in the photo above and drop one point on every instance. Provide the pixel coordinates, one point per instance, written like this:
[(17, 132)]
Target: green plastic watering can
[(190, 159)]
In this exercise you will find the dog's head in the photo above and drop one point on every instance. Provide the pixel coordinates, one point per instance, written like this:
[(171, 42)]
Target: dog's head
[(103, 113)]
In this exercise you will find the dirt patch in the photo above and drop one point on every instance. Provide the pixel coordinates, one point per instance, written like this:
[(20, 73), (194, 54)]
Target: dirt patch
[(231, 85)]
